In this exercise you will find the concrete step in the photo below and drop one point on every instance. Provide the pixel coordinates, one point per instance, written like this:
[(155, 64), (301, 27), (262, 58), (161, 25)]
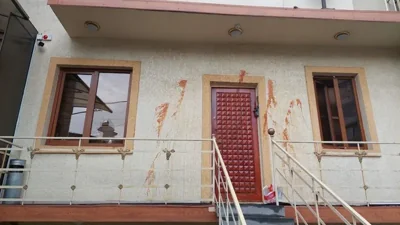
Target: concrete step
[(267, 220), (259, 210), (257, 214), (263, 220), (263, 210)]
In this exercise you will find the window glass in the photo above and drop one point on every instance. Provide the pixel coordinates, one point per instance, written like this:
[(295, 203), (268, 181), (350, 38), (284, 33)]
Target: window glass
[(323, 112), (109, 116), (73, 105), (349, 106), (338, 111)]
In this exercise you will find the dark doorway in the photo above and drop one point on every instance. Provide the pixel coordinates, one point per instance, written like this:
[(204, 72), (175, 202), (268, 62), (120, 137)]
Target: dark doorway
[(17, 40)]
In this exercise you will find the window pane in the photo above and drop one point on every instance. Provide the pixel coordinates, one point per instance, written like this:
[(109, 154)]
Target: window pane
[(349, 106), (73, 106), (109, 117), (323, 112), (328, 110)]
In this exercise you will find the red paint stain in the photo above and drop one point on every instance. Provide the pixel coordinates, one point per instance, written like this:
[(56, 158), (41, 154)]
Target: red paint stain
[(241, 75), (285, 137), (287, 121), (299, 104), (271, 96), (265, 122), (271, 103), (289, 112), (151, 176), (161, 113), (285, 133), (291, 104), (182, 86)]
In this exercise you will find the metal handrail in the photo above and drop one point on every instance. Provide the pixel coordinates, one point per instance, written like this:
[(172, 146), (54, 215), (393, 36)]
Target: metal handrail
[(162, 152), (10, 143), (229, 184), (336, 142), (355, 215), (102, 138)]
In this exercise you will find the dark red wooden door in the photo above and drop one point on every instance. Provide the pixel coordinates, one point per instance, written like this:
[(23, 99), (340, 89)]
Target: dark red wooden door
[(235, 128)]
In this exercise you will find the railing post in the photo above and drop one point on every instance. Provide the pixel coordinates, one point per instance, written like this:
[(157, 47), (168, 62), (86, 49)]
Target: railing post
[(271, 132), (316, 201), (292, 184), (213, 167)]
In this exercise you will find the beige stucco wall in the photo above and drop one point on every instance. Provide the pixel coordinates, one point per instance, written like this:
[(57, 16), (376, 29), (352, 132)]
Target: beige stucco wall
[(163, 66)]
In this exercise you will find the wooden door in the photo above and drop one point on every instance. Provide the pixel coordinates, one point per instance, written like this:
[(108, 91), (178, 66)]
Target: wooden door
[(234, 125)]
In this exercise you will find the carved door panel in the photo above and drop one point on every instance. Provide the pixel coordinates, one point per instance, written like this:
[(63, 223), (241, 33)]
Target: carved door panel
[(235, 128)]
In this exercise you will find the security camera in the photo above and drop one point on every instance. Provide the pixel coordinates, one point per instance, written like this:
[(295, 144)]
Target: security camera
[(41, 44)]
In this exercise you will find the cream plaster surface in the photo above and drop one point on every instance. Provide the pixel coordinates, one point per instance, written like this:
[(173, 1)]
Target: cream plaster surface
[(163, 65)]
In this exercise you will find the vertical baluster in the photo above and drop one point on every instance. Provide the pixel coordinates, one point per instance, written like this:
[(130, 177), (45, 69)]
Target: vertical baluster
[(219, 191), (293, 195), (354, 220), (316, 201), (271, 133), (227, 204), (73, 186), (360, 159), (167, 191), (121, 185), (29, 171), (386, 4), (213, 158), (396, 5)]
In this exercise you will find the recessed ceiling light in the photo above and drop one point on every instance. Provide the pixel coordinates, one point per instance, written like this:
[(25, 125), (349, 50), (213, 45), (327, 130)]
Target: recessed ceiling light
[(342, 35), (92, 26), (235, 31)]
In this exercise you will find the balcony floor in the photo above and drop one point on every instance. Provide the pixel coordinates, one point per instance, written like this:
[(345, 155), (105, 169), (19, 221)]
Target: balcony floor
[(107, 213)]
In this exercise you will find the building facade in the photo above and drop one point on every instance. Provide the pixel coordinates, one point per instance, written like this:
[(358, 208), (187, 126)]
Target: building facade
[(121, 106)]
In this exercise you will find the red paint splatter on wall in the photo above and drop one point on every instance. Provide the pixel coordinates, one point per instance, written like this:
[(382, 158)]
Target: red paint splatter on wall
[(299, 104), (182, 86), (271, 103), (291, 104), (241, 75), (161, 113), (288, 119), (271, 96), (151, 176), (285, 137)]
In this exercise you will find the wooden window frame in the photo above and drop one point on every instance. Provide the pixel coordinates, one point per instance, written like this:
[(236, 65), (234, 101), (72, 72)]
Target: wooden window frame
[(334, 78), (49, 94), (94, 82), (364, 100)]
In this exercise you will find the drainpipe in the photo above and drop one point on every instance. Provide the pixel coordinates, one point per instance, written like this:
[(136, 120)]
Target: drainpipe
[(323, 2)]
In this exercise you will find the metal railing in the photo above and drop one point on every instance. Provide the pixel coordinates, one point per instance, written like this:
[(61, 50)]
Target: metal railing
[(156, 171), (362, 173), (227, 203), (161, 171), (392, 5), (291, 172)]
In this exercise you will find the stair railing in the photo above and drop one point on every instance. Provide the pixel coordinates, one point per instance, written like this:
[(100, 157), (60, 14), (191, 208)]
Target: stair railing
[(392, 5), (227, 203), (295, 171)]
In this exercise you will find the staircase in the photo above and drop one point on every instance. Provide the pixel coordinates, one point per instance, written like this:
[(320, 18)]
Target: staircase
[(230, 211), (259, 214)]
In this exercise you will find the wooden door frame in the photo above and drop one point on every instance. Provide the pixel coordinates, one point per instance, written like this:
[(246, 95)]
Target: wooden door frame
[(234, 81)]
